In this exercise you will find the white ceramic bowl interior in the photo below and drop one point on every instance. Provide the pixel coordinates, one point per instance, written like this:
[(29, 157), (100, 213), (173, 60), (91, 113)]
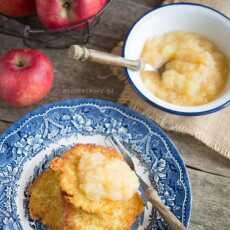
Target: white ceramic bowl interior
[(179, 17)]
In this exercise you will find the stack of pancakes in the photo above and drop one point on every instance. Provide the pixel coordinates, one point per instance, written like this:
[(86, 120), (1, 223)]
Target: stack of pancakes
[(57, 200)]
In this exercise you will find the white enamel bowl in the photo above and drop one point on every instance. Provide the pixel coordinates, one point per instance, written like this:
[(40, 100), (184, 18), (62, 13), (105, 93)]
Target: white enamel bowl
[(178, 17)]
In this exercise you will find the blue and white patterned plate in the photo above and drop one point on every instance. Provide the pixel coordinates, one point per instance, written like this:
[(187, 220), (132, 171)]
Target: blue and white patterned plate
[(27, 147)]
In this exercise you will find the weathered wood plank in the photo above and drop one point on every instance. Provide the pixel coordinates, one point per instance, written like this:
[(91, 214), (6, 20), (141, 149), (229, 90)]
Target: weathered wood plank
[(211, 203), (195, 226), (116, 21), (150, 3), (199, 156)]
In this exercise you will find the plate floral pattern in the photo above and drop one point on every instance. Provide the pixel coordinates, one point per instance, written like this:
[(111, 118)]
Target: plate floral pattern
[(28, 145)]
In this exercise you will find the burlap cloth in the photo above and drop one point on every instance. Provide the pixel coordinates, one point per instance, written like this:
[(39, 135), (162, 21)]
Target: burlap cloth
[(213, 130)]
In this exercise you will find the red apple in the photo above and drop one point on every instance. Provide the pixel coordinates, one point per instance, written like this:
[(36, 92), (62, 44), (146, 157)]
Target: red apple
[(17, 8), (56, 14), (26, 76)]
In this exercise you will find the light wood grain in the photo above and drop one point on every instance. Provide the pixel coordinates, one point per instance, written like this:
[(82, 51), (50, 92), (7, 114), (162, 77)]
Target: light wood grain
[(199, 156), (211, 201)]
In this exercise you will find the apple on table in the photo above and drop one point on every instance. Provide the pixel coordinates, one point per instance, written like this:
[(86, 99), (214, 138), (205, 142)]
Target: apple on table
[(26, 76)]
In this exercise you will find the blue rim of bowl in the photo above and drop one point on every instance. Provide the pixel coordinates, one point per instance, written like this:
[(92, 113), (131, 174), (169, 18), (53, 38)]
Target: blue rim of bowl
[(69, 102), (224, 105)]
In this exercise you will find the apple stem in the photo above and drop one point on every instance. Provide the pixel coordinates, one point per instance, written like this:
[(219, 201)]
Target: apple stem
[(20, 63), (67, 5)]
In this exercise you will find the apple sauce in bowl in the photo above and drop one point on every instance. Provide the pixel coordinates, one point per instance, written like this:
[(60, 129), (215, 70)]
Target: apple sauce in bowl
[(196, 78), (195, 72)]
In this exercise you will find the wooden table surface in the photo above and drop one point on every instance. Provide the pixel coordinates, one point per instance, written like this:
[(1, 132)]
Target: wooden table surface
[(209, 172)]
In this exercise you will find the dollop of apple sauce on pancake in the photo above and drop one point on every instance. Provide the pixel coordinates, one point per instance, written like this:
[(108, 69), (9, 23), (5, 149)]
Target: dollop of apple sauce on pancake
[(70, 182)]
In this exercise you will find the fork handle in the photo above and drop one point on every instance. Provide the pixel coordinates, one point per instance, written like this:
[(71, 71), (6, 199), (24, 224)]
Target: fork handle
[(168, 216)]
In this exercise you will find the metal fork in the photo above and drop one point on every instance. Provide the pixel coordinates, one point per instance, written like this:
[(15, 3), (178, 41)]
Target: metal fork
[(149, 192)]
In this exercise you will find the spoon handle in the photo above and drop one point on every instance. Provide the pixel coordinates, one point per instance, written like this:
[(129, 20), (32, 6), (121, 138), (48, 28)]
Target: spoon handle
[(169, 217), (83, 54)]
